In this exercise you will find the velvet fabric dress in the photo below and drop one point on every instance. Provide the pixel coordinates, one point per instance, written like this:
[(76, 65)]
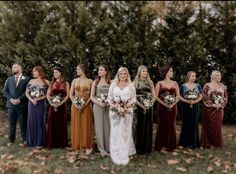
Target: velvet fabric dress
[(212, 117), (143, 133), (36, 125), (166, 130), (56, 136), (189, 136)]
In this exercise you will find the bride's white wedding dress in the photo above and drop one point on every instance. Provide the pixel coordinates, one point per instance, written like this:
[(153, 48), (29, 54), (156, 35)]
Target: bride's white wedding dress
[(121, 140)]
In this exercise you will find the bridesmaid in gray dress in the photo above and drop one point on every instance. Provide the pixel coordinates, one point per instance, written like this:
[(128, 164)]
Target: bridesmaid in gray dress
[(99, 93)]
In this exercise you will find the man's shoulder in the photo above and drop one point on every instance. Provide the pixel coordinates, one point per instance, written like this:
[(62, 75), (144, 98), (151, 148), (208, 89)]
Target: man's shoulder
[(10, 77)]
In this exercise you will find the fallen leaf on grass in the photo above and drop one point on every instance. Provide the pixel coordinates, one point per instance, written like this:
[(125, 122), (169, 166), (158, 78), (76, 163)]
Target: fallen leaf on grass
[(40, 157), (104, 168), (199, 156), (50, 157), (234, 165), (210, 156), (77, 164), (10, 157), (59, 171), (230, 135), (227, 165), (181, 169), (152, 166), (209, 169), (141, 164), (172, 162), (174, 153), (71, 159), (189, 160), (3, 156), (217, 163)]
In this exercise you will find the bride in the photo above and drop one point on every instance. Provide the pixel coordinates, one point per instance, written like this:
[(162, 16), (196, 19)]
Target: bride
[(121, 97)]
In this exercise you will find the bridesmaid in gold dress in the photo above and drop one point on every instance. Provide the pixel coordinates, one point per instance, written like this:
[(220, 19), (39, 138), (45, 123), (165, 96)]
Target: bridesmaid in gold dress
[(81, 113)]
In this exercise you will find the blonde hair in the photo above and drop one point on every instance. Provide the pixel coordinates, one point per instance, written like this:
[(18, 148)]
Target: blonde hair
[(189, 73), (138, 79), (116, 79), (213, 74)]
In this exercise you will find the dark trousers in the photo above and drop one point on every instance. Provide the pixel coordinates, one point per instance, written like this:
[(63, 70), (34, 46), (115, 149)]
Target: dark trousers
[(14, 114)]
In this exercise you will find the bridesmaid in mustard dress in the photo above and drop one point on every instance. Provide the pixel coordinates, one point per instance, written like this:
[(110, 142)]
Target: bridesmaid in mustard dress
[(81, 113)]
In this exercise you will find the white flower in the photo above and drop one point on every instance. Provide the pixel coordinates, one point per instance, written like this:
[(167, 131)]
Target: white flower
[(23, 77)]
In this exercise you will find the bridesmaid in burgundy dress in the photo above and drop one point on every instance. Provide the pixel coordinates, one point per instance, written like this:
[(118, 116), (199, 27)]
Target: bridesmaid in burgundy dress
[(57, 95), (167, 96), (215, 99)]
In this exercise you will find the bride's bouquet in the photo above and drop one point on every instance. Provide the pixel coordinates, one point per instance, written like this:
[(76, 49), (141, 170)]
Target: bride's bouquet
[(122, 109), (56, 99), (191, 95)]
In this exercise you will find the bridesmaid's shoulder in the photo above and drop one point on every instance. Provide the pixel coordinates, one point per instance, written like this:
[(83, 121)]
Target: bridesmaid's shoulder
[(47, 82), (207, 84), (90, 81), (223, 86), (74, 80)]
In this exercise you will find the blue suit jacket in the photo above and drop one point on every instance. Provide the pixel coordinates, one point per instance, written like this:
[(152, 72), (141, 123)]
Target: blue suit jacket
[(11, 91)]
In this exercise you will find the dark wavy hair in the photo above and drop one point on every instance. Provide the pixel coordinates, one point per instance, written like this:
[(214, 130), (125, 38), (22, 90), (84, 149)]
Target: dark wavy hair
[(62, 77), (164, 70)]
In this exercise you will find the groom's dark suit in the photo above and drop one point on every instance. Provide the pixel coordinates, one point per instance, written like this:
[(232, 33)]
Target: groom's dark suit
[(11, 91)]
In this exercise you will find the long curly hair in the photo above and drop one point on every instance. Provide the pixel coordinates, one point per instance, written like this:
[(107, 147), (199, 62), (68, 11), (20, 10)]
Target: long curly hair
[(62, 77)]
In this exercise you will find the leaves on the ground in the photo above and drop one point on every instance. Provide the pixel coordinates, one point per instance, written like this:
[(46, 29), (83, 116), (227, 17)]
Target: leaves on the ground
[(181, 169), (104, 168), (151, 166), (189, 160), (59, 171), (172, 162), (217, 162), (209, 169), (174, 153)]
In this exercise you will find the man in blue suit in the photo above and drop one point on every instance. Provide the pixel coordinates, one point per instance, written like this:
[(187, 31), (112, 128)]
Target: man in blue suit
[(14, 91)]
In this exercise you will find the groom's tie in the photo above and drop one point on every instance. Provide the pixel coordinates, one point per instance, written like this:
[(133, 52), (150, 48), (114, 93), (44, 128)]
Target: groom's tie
[(17, 80)]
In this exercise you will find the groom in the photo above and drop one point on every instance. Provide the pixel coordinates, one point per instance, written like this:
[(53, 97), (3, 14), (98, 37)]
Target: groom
[(14, 91)]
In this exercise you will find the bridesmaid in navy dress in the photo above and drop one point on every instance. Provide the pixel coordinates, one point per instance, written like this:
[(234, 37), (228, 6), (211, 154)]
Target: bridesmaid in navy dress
[(36, 93), (190, 95)]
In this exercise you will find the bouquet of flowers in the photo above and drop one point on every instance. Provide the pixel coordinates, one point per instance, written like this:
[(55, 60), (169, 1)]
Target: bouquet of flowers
[(122, 109), (169, 99), (102, 97), (146, 100), (78, 101), (217, 98), (35, 92), (191, 95), (56, 99)]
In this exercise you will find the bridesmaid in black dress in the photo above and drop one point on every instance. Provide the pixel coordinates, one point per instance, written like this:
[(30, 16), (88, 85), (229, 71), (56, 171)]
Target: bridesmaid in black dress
[(190, 95), (146, 96)]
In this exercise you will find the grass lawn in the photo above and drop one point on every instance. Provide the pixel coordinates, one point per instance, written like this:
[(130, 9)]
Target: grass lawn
[(17, 159)]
